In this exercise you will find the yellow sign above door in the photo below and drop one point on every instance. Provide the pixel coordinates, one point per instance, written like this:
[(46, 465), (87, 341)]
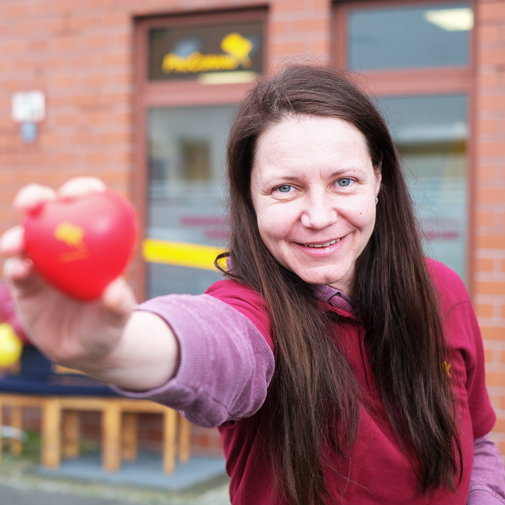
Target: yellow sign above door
[(236, 52), (191, 52)]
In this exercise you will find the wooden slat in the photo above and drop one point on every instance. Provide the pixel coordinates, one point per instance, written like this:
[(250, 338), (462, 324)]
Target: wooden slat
[(71, 434), (17, 423), (169, 432), (22, 400), (83, 403), (130, 436), (141, 406), (184, 439), (111, 427), (51, 416)]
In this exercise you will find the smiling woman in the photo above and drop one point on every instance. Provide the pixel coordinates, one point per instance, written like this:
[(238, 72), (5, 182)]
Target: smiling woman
[(335, 359), (313, 188)]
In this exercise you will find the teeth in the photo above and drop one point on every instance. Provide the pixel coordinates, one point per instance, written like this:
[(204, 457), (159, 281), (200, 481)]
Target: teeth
[(324, 245)]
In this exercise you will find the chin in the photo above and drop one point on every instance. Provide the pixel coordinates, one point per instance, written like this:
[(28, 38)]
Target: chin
[(329, 280)]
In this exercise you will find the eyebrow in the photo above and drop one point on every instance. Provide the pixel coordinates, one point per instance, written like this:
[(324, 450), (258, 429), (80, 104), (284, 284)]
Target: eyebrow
[(337, 173)]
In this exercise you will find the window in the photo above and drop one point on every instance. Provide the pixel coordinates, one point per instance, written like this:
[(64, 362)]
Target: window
[(187, 149), (415, 57), (431, 133), (192, 72), (408, 36)]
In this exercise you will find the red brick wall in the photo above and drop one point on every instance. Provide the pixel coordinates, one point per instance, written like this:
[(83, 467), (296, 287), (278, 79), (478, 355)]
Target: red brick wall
[(489, 280), (80, 52), (299, 29)]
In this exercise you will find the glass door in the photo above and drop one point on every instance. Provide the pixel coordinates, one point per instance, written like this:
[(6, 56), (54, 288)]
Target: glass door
[(186, 220), (192, 71)]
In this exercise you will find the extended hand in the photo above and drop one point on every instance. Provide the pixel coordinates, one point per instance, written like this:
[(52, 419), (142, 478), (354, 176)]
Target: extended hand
[(103, 338)]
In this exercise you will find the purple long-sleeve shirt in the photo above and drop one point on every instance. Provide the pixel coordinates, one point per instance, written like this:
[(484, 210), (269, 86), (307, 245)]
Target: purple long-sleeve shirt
[(227, 364), (487, 480)]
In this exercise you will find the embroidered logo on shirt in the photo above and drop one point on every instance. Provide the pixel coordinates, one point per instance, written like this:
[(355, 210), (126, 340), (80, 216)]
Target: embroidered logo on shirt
[(447, 368)]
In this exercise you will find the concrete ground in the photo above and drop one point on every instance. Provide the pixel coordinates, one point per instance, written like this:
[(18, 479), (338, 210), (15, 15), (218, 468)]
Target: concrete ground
[(23, 482)]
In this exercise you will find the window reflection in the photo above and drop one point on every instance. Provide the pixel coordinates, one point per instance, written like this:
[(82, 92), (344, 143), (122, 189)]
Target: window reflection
[(431, 134), (409, 37), (187, 150)]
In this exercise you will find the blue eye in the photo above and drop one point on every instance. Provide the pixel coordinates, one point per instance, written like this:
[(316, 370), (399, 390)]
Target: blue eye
[(285, 188), (344, 182)]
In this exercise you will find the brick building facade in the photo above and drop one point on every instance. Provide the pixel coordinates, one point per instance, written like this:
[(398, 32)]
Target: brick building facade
[(84, 56)]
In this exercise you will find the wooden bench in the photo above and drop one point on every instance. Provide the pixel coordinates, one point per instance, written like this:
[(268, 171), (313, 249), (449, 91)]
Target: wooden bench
[(60, 427)]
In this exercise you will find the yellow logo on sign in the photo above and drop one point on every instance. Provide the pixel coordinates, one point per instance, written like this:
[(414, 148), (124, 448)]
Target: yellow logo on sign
[(72, 235), (237, 48)]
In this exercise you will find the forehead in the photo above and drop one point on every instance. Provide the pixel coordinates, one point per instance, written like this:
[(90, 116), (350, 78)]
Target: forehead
[(308, 141)]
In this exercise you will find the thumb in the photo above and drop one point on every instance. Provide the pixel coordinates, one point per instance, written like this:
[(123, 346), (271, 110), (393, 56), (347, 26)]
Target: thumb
[(119, 301)]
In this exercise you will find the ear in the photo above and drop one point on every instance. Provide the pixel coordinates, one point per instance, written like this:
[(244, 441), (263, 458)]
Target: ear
[(378, 180)]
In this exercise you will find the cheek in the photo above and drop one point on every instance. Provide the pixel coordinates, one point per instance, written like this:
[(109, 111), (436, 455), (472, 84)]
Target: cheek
[(274, 223), (369, 221), (362, 216)]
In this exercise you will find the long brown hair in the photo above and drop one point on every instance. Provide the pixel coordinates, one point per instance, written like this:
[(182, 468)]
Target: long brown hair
[(314, 397)]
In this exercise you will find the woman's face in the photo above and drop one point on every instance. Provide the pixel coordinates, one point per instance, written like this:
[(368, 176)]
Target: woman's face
[(313, 187)]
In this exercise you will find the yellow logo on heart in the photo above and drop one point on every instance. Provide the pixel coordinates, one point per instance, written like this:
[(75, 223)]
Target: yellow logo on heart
[(73, 236)]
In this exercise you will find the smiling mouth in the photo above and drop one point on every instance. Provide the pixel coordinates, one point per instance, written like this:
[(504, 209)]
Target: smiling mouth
[(327, 244)]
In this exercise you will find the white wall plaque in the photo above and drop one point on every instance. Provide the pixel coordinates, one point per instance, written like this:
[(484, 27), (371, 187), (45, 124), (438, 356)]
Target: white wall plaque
[(28, 106)]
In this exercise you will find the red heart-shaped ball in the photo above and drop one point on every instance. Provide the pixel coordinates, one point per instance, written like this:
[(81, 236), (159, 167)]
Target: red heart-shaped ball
[(80, 245)]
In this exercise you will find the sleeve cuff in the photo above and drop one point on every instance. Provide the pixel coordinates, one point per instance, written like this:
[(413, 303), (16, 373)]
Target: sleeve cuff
[(226, 364)]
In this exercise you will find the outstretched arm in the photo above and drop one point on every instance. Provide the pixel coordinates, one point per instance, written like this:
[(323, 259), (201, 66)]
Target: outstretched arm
[(104, 338)]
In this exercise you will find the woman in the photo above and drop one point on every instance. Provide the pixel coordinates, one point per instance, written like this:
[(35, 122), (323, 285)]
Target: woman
[(339, 364)]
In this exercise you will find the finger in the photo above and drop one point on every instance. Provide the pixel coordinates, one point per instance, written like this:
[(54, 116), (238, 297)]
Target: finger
[(12, 242), (23, 279), (18, 270), (80, 186), (119, 301), (32, 196)]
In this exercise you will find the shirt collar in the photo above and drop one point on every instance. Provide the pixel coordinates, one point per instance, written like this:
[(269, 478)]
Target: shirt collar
[(327, 294), (335, 298)]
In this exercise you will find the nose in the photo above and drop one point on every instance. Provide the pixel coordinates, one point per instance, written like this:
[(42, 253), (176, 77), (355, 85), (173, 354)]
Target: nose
[(319, 211)]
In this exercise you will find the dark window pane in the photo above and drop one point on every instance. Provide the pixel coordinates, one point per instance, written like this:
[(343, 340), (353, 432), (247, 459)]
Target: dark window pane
[(409, 37)]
